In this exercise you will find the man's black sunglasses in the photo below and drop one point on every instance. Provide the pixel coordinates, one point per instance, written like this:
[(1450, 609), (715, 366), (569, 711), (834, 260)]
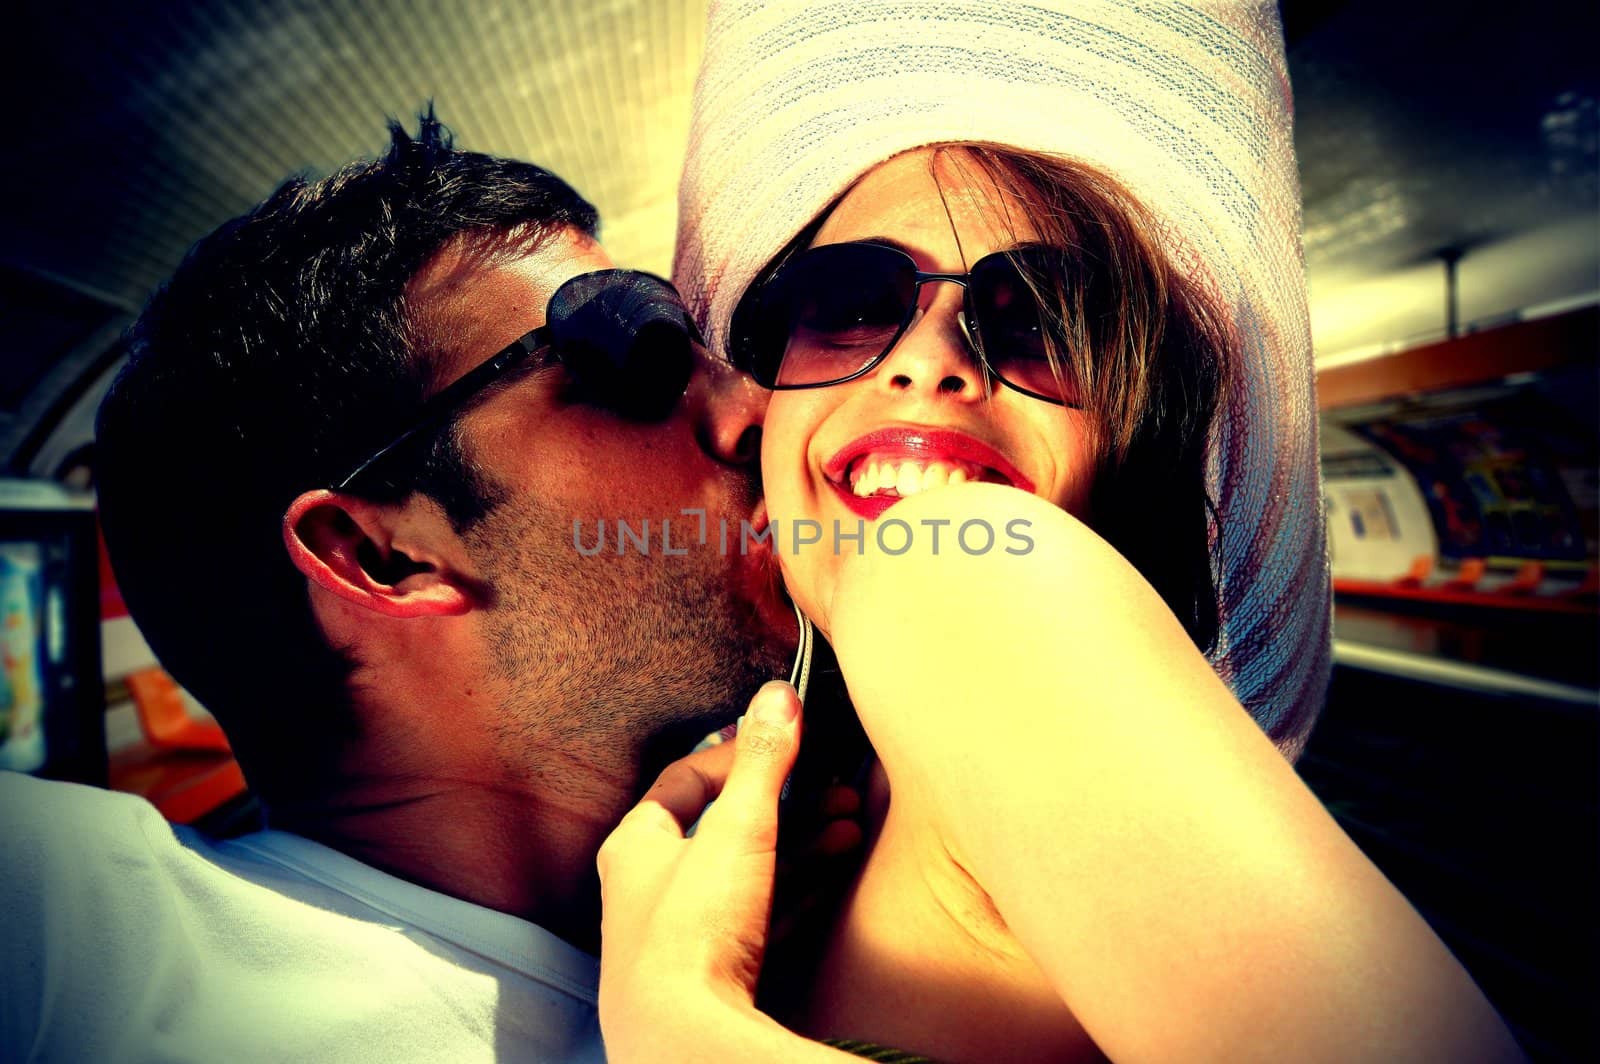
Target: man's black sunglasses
[(625, 335), (834, 312)]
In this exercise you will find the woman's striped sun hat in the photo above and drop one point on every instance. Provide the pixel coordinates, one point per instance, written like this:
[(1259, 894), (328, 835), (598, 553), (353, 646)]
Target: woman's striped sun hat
[(1186, 104)]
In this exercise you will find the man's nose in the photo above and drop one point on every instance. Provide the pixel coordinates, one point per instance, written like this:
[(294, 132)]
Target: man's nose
[(933, 354), (727, 407)]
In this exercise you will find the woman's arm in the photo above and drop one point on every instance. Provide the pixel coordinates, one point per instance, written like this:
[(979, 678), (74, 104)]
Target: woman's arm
[(1149, 847)]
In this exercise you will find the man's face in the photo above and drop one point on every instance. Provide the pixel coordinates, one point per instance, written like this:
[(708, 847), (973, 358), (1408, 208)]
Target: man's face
[(602, 653)]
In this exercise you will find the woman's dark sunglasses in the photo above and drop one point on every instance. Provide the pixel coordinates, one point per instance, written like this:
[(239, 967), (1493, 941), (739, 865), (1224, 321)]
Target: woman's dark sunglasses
[(834, 312), (624, 335)]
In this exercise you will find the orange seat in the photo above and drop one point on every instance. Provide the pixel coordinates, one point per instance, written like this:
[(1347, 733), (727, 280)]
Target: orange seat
[(1417, 575), (185, 766), (1529, 576), (166, 723), (1467, 576)]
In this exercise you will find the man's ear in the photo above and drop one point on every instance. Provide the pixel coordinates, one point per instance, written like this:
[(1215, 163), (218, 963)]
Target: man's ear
[(348, 546)]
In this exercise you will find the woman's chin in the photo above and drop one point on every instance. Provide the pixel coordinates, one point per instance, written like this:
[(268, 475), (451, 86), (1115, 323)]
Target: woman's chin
[(807, 585)]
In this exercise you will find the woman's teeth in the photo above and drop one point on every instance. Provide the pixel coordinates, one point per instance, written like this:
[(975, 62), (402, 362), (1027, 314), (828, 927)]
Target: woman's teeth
[(873, 477)]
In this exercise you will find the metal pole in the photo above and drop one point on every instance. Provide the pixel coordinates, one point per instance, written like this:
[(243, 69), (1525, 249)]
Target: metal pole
[(1452, 295)]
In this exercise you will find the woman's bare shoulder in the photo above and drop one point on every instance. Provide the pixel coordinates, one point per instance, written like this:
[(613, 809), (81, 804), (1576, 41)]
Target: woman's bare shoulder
[(1048, 719)]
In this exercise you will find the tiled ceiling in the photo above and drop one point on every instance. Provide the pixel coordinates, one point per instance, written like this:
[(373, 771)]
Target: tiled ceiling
[(138, 126), (161, 120), (1428, 126)]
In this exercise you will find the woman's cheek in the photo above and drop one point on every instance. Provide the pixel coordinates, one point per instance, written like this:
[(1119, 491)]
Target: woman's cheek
[(1067, 440), (809, 582), (804, 563), (791, 496)]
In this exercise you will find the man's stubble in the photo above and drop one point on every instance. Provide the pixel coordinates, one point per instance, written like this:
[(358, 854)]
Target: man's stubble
[(616, 651)]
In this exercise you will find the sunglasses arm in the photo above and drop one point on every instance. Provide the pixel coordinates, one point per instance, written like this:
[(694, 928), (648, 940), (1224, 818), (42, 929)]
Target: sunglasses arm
[(452, 398)]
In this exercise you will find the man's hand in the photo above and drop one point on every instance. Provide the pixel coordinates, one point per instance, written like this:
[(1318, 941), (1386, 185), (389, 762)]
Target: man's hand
[(684, 924)]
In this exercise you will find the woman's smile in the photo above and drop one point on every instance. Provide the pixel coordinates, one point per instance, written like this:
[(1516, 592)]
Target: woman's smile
[(879, 468)]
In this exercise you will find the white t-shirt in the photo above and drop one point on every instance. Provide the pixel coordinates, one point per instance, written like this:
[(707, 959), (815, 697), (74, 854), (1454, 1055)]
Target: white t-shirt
[(124, 939)]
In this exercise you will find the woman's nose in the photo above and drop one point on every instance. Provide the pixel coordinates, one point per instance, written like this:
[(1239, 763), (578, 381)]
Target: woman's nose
[(933, 354)]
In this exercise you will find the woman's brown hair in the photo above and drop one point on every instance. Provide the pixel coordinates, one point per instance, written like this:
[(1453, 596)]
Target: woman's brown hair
[(1147, 349)]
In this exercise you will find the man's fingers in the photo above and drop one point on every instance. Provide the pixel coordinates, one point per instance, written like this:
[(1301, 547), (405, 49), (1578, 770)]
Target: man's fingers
[(676, 800), (769, 740), (748, 773)]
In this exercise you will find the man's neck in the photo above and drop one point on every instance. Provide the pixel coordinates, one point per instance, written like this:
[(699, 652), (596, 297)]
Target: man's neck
[(526, 849)]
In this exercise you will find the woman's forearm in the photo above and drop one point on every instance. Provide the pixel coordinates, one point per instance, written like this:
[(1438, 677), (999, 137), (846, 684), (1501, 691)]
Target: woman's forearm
[(1145, 842)]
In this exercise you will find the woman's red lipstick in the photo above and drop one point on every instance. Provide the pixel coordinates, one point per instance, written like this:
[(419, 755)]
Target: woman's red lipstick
[(916, 444)]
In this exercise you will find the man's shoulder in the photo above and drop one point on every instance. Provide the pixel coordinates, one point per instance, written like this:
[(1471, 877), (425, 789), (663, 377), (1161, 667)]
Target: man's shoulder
[(19, 791), (127, 936), (46, 822), (78, 864)]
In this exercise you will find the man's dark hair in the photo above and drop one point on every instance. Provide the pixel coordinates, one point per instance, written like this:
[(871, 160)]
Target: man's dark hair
[(275, 358)]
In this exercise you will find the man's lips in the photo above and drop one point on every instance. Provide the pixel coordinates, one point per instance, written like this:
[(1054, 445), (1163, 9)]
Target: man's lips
[(944, 454)]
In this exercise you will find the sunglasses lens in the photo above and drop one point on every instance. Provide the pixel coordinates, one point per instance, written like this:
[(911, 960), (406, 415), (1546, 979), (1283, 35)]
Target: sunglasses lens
[(830, 312), (1015, 334), (626, 337)]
